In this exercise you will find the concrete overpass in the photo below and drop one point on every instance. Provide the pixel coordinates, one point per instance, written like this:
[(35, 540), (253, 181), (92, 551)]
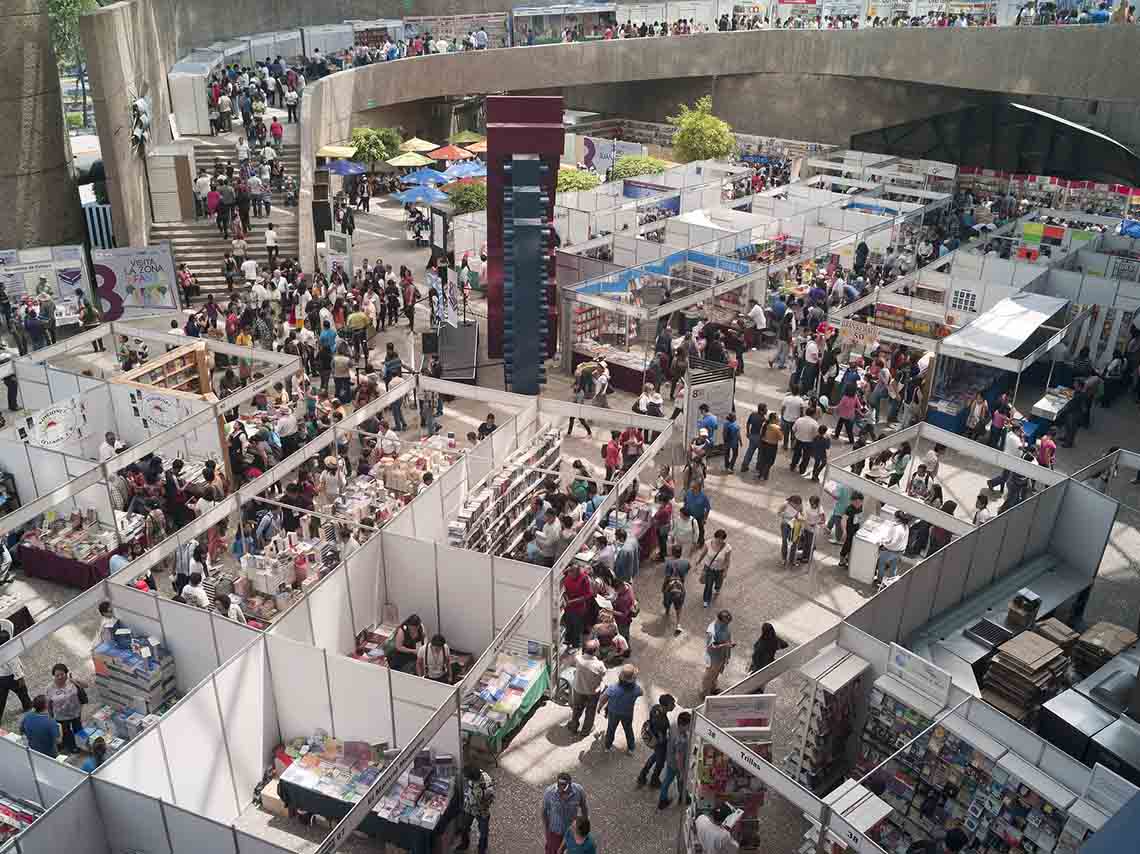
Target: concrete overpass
[(811, 85)]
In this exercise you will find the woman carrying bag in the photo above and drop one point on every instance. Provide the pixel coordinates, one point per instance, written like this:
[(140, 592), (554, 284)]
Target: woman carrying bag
[(66, 699)]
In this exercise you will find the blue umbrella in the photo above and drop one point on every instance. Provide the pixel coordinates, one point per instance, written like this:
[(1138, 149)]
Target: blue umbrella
[(416, 195), (346, 167), (424, 176), (467, 169)]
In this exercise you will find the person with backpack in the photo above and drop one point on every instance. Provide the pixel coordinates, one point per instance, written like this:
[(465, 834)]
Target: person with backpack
[(478, 795), (655, 734), (673, 587)]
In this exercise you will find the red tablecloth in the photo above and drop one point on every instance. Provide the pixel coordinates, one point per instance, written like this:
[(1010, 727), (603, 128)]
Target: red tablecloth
[(39, 563)]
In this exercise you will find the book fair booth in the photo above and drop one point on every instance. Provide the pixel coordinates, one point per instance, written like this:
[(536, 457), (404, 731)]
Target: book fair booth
[(369, 747), (916, 714)]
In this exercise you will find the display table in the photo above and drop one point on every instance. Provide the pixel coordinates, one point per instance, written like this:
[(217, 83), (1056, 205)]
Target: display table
[(1053, 403), (623, 376), (865, 547), (418, 840), (492, 742), (40, 563)]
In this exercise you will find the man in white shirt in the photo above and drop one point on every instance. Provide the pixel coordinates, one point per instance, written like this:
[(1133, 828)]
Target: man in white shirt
[(271, 244), (714, 838), (201, 188), (589, 674), (791, 408), (892, 548), (108, 447), (249, 273), (268, 154), (549, 538), (804, 430), (389, 441), (195, 594), (1013, 445), (758, 317)]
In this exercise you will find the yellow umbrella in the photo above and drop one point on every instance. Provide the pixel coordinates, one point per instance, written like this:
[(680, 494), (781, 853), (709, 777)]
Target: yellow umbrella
[(410, 159), (345, 151), (466, 136), (417, 144)]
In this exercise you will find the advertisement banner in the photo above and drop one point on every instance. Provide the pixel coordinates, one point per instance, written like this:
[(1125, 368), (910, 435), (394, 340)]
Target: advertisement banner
[(600, 154), (135, 280), (58, 271), (734, 711), (339, 253)]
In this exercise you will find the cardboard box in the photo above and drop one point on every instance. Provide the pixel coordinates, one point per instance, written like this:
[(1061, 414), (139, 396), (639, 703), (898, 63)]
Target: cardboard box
[(271, 802)]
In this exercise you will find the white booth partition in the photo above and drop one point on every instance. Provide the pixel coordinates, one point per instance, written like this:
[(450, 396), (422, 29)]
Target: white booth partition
[(328, 39), (189, 80), (72, 824), (32, 777)]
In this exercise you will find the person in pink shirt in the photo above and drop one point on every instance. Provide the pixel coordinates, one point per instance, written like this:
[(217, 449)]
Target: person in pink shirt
[(845, 413), (1047, 448), (277, 131)]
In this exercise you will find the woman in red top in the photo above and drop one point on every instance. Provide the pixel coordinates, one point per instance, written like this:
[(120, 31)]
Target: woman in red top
[(577, 592), (624, 604), (613, 454), (632, 445)]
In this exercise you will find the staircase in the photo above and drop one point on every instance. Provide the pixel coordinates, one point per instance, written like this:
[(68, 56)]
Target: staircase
[(198, 244)]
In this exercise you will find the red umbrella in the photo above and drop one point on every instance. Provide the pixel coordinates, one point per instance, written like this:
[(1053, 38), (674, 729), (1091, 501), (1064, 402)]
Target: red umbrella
[(450, 152), (459, 182)]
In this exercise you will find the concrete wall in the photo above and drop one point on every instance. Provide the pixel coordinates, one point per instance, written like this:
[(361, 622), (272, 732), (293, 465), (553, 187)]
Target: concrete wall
[(807, 85), (130, 45), (41, 204)]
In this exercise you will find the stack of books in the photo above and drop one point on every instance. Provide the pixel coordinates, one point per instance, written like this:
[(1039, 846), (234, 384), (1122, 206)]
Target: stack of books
[(1100, 644), (1025, 672)]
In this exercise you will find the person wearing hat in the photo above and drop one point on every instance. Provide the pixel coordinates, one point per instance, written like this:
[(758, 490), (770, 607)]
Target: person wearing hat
[(713, 836), (618, 702), (332, 480)]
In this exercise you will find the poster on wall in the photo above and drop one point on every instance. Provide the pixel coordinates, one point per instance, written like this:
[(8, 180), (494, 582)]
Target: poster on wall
[(54, 270), (736, 711), (339, 254), (600, 154), (135, 280), (55, 426)]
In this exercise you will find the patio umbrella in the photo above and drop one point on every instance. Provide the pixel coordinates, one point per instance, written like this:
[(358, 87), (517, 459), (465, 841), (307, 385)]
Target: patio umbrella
[(417, 144), (468, 169), (459, 182), (346, 167), (425, 176), (450, 152), (409, 159), (466, 136), (337, 151), (477, 147), (420, 195)]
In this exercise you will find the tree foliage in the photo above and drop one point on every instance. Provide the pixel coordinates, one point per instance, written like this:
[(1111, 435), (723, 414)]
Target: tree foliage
[(632, 165), (571, 180), (468, 198), (374, 145), (700, 135), (64, 17)]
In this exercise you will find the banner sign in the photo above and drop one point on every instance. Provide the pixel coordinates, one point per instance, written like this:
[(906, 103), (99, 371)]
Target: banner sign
[(338, 253), (600, 154), (63, 271), (135, 280), (919, 674), (733, 711)]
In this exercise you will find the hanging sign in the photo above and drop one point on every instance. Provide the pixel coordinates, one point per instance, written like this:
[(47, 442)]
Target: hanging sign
[(135, 280), (919, 674), (732, 711)]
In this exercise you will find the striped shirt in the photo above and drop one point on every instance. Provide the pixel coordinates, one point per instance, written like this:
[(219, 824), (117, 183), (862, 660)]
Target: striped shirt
[(560, 811)]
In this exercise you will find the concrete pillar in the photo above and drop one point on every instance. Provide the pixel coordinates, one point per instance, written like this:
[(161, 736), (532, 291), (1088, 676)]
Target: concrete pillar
[(40, 201)]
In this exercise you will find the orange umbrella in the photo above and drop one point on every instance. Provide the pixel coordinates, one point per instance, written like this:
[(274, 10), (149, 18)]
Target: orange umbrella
[(459, 182), (450, 152), (477, 147)]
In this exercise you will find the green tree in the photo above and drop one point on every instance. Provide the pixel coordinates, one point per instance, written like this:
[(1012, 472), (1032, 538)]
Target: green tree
[(468, 198), (374, 145), (570, 180), (700, 135), (64, 17), (632, 165)]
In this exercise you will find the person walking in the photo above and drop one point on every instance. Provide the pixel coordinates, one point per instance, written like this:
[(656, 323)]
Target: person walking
[(697, 505), (731, 440), (618, 702), (676, 754), (589, 673), (791, 408), (1012, 445), (12, 674), (714, 561), (655, 733), (718, 649), (562, 803), (478, 795), (804, 430), (577, 839), (673, 587), (769, 446), (754, 427)]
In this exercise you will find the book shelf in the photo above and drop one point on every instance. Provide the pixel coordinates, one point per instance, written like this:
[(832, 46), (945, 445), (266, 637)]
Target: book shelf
[(825, 719), (184, 369), (494, 519)]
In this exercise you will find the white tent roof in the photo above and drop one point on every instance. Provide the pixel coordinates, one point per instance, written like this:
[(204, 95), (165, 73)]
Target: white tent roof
[(993, 337)]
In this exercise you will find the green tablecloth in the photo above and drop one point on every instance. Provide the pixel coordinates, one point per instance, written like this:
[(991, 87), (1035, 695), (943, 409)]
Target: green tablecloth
[(530, 698)]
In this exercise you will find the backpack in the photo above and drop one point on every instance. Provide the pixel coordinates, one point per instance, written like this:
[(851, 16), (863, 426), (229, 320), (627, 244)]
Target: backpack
[(674, 588), (650, 735)]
